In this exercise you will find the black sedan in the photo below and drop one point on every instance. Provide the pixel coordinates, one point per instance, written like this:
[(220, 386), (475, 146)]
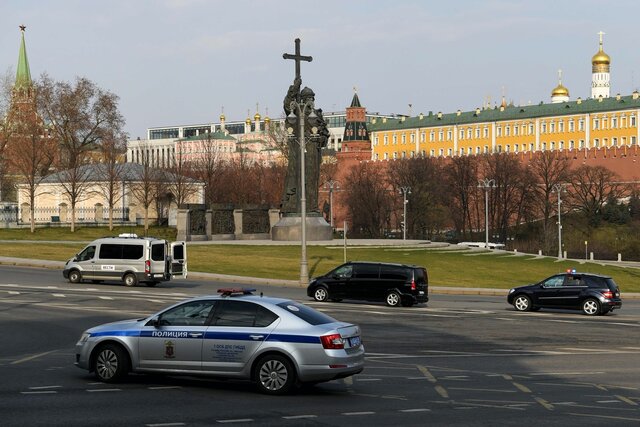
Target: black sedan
[(592, 293)]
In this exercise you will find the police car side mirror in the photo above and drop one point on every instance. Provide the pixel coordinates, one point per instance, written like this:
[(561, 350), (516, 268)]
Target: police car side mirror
[(155, 322)]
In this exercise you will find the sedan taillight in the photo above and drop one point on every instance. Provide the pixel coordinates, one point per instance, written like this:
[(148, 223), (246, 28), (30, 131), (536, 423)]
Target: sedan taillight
[(332, 342)]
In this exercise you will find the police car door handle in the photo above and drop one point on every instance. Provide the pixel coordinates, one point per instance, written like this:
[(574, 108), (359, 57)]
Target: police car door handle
[(195, 334), (256, 337)]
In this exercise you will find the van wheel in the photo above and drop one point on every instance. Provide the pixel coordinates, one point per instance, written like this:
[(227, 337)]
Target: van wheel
[(111, 363), (130, 279), (393, 299), (320, 294), (75, 276)]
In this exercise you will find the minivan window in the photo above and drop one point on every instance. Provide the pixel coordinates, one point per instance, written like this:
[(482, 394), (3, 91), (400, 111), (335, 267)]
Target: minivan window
[(420, 275), (366, 271), (344, 271), (393, 273)]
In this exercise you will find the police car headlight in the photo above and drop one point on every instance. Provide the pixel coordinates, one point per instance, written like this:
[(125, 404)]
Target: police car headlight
[(512, 291), (83, 339)]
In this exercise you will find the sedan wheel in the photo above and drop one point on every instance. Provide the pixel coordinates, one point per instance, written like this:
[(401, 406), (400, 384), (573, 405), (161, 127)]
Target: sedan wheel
[(591, 307), (274, 375), (393, 299), (522, 303), (111, 363), (321, 294)]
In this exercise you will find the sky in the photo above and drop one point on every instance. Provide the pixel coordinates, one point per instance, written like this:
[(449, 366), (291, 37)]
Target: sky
[(182, 62)]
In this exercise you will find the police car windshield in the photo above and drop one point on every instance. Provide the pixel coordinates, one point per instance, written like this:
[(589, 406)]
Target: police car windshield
[(307, 314)]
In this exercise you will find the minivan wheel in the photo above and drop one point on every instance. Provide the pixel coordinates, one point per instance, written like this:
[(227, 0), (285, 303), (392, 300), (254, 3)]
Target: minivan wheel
[(111, 363), (75, 276), (522, 303), (393, 299), (321, 294), (130, 279), (274, 374), (591, 307)]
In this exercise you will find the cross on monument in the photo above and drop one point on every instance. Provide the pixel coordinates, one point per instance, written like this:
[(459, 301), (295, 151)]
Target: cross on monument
[(297, 57)]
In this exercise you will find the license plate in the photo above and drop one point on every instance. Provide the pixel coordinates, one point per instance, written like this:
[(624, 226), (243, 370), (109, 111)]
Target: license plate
[(420, 292), (354, 341)]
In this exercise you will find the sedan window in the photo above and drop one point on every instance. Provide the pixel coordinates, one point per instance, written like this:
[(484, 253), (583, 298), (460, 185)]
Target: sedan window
[(194, 313), (242, 314)]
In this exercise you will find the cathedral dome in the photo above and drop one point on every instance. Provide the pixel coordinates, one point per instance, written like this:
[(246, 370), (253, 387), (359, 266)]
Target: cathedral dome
[(560, 90), (601, 58)]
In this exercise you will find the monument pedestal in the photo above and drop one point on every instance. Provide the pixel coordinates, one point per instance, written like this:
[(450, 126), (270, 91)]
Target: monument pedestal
[(288, 228)]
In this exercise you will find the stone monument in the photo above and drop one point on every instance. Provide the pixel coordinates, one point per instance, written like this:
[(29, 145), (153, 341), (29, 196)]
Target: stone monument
[(299, 105)]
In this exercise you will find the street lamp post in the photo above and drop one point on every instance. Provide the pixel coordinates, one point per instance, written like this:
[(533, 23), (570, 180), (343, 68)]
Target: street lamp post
[(559, 188), (302, 108), (486, 183), (331, 184), (404, 191)]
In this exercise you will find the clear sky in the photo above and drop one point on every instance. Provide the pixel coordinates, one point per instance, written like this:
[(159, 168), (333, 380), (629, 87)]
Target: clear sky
[(177, 62)]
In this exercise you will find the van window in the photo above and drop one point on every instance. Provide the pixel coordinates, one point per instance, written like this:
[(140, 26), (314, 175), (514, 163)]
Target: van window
[(114, 251), (366, 271), (157, 252), (87, 253), (389, 272)]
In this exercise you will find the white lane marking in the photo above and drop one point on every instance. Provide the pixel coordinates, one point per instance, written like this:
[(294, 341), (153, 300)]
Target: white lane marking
[(167, 387), (489, 390), (51, 287), (101, 390), (239, 420), (565, 373), (14, 293), (607, 401), (623, 324), (415, 410), (135, 292), (588, 350), (165, 424), (605, 417), (368, 379), (107, 298), (299, 417), (157, 301), (90, 289), (44, 387), (348, 414), (59, 295), (39, 392)]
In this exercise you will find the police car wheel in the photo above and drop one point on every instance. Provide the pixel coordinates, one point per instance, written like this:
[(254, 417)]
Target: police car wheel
[(130, 280), (111, 363), (75, 276), (274, 375)]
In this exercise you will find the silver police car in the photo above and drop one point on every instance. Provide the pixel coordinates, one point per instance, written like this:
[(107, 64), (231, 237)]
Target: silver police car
[(277, 343)]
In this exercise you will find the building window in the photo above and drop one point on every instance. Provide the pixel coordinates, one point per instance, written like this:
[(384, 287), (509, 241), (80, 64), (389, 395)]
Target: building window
[(544, 127), (596, 143), (596, 124), (423, 137), (395, 155), (477, 132), (552, 146), (623, 121), (581, 125), (614, 122), (582, 143), (404, 138), (614, 142), (515, 131), (375, 141), (449, 135), (449, 152), (507, 148), (386, 156), (441, 151), (469, 133), (404, 154), (395, 139), (424, 153), (486, 132), (572, 144), (412, 138), (432, 136), (633, 140), (486, 149), (386, 140), (507, 131), (515, 148), (561, 145), (552, 127), (478, 150), (530, 128), (499, 131), (440, 135), (561, 126), (544, 146), (432, 152), (461, 134), (572, 126), (377, 155), (633, 121)]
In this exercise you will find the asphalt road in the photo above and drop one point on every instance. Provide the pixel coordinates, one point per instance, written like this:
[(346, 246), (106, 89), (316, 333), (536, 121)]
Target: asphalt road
[(460, 360)]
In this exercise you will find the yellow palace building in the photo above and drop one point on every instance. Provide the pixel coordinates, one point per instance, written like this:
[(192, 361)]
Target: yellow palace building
[(600, 122)]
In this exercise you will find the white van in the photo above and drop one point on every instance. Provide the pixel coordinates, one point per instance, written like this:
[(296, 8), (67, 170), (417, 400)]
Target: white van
[(130, 259)]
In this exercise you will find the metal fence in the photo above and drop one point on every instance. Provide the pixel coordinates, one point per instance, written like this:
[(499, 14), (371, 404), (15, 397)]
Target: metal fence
[(62, 214), (9, 214)]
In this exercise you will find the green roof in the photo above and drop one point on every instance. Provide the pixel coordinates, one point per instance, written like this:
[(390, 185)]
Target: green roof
[(600, 105)]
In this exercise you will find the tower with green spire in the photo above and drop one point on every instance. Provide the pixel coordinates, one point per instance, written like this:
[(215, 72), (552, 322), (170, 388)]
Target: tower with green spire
[(23, 86)]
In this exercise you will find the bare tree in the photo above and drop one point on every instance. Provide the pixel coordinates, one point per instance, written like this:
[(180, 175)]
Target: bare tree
[(144, 184), (29, 151), (461, 176), (6, 129), (208, 166), (548, 168), (591, 186), (112, 173), (368, 199), (180, 182), (81, 116)]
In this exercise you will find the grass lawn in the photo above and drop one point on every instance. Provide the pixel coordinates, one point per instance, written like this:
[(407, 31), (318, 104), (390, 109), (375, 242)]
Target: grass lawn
[(446, 268)]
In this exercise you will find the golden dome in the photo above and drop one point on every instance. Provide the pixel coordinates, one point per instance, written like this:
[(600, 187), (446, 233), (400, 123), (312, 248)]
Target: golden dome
[(601, 58), (222, 117), (560, 91), (248, 121), (267, 119), (257, 116)]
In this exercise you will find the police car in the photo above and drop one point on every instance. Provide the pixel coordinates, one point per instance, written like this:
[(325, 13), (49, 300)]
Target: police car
[(274, 342)]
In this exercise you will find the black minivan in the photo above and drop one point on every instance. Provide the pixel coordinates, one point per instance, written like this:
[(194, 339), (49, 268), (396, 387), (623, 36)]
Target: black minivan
[(395, 284)]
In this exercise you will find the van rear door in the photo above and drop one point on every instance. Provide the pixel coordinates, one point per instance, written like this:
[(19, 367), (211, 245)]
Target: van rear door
[(178, 260)]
